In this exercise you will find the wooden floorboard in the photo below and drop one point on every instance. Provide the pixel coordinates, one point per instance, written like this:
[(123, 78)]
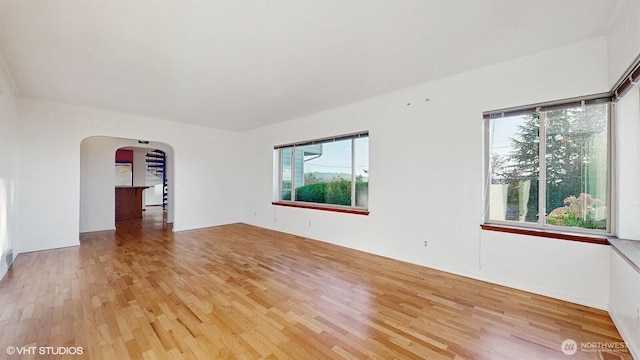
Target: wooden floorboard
[(242, 292)]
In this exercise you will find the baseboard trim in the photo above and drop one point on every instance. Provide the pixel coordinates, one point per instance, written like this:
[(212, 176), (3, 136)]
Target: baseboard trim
[(632, 344)]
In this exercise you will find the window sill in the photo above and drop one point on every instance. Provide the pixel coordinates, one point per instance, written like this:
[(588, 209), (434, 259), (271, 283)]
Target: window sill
[(320, 207), (593, 239), (629, 250)]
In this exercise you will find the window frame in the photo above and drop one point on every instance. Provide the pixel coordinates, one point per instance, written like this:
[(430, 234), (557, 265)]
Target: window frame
[(352, 209), (531, 228)]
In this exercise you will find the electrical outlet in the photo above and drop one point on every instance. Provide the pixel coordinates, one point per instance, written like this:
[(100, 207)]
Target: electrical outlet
[(638, 313), (309, 223), (425, 243)]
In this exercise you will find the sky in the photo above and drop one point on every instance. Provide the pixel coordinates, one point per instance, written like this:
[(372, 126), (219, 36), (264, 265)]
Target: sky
[(336, 158), (501, 132)]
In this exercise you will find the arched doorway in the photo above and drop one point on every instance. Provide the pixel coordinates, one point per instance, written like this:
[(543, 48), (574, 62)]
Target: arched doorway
[(98, 178)]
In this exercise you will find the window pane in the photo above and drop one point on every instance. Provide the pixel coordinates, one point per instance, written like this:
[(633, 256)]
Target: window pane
[(285, 176), (576, 155), (323, 173), (362, 171), (514, 166)]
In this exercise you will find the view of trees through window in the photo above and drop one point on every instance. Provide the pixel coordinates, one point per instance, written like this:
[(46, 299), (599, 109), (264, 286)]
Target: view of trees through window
[(574, 179), (331, 172)]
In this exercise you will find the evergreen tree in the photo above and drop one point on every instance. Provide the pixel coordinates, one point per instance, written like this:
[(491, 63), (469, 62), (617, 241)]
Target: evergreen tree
[(525, 157), (574, 158)]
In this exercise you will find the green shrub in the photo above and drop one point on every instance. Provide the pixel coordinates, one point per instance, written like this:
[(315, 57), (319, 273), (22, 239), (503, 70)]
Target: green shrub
[(312, 193), (334, 192), (579, 212)]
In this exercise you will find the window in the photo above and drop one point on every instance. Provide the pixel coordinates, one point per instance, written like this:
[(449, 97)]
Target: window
[(548, 166), (331, 172)]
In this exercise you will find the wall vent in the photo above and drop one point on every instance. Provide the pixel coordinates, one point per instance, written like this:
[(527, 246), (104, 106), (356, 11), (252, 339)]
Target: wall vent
[(8, 257)]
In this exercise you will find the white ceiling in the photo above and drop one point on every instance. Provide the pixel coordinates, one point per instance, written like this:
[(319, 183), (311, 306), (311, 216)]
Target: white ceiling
[(241, 64)]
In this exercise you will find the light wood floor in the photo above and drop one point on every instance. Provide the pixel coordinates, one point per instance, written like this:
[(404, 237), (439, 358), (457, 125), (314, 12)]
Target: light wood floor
[(237, 291)]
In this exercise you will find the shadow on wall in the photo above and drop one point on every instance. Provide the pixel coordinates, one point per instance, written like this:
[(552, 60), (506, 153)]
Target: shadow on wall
[(4, 236)]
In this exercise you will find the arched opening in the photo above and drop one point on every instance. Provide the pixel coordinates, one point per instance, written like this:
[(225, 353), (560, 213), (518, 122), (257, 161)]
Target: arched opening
[(98, 179)]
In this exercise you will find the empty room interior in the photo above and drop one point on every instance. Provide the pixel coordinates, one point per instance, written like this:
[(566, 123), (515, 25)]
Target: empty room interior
[(319, 179)]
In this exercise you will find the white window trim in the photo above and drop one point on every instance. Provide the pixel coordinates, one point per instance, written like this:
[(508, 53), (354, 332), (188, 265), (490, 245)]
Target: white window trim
[(278, 199), (541, 109)]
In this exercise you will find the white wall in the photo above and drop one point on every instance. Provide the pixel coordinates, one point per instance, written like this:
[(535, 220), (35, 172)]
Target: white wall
[(139, 166), (426, 176), (623, 40), (623, 49), (8, 164), (97, 198), (627, 117), (625, 300), (49, 187), (139, 172)]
